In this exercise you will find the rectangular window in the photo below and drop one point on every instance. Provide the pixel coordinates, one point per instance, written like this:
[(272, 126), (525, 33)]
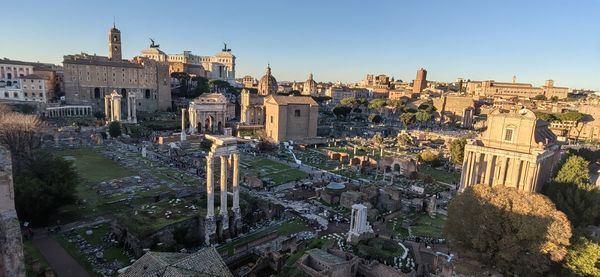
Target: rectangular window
[(297, 113), (271, 119), (508, 135)]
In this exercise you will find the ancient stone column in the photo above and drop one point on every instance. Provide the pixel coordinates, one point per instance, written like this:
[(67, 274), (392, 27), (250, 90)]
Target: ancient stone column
[(489, 160), (235, 185), (516, 169), (210, 189), (193, 122), (134, 107), (183, 125), (129, 108), (223, 212)]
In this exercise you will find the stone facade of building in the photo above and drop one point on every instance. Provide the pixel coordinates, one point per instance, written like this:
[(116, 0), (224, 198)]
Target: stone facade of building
[(310, 86), (493, 88), (516, 150), (89, 78), (454, 108), (291, 118), (12, 261)]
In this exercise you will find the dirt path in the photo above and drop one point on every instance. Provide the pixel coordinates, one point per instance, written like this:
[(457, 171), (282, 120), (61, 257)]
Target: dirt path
[(61, 262)]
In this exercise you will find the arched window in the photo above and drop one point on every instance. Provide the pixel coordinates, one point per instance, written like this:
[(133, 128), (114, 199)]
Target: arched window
[(147, 94), (97, 93), (124, 93)]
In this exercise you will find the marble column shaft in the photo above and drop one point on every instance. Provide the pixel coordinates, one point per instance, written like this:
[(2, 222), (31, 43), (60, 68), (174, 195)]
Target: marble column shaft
[(224, 185), (210, 189), (235, 183)]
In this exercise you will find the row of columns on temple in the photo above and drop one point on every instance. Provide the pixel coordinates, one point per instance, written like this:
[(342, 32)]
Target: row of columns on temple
[(225, 230), (489, 169), (112, 107), (67, 111)]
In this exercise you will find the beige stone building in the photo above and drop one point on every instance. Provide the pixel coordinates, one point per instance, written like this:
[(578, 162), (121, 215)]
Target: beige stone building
[(516, 150), (291, 118), (502, 89), (455, 108), (89, 78), (310, 86), (337, 93)]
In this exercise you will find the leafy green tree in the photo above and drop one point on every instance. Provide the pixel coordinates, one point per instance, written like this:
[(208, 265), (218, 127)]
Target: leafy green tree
[(540, 97), (519, 233), (396, 105), (341, 111), (429, 157), (457, 150), (423, 116), (44, 185), (183, 79), (321, 99), (583, 259), (114, 129), (99, 115), (375, 118), (426, 107), (548, 117), (350, 101), (574, 171), (407, 119), (570, 116), (201, 86), (404, 139), (573, 193), (376, 104), (554, 98)]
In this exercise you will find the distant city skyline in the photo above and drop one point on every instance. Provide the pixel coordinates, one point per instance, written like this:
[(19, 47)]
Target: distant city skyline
[(336, 41)]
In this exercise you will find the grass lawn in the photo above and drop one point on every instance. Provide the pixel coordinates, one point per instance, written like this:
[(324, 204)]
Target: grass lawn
[(278, 172), (32, 254), (94, 167), (429, 227), (440, 175)]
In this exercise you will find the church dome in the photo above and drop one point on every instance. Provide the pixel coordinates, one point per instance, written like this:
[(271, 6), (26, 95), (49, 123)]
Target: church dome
[(267, 84), (310, 86)]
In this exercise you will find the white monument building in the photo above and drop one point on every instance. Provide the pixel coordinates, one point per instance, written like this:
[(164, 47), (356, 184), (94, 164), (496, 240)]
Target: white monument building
[(358, 223), (224, 148), (208, 114)]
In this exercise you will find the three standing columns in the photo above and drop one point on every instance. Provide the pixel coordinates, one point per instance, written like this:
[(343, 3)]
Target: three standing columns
[(210, 223)]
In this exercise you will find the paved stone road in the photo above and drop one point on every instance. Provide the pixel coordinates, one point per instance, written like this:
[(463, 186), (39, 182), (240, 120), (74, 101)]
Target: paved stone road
[(61, 262)]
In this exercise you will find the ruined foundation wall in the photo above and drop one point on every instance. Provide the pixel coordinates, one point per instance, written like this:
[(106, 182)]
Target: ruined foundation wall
[(12, 262)]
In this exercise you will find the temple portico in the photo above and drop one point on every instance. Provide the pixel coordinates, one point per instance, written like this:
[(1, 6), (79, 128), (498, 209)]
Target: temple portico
[(69, 111), (224, 148), (112, 107)]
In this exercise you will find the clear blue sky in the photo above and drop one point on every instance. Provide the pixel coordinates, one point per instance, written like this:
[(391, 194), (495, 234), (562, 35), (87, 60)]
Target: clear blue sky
[(336, 40)]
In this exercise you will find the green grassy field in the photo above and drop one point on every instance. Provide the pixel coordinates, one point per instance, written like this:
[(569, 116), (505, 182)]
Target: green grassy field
[(440, 175), (92, 166), (278, 172), (427, 226)]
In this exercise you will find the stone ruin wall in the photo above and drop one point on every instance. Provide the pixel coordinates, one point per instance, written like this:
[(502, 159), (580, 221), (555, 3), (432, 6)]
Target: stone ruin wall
[(12, 262)]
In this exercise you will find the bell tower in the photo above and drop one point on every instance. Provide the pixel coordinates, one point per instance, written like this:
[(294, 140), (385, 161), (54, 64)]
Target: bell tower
[(114, 44)]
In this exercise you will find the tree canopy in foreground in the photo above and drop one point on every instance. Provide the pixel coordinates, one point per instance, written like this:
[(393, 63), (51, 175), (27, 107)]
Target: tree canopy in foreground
[(519, 233)]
